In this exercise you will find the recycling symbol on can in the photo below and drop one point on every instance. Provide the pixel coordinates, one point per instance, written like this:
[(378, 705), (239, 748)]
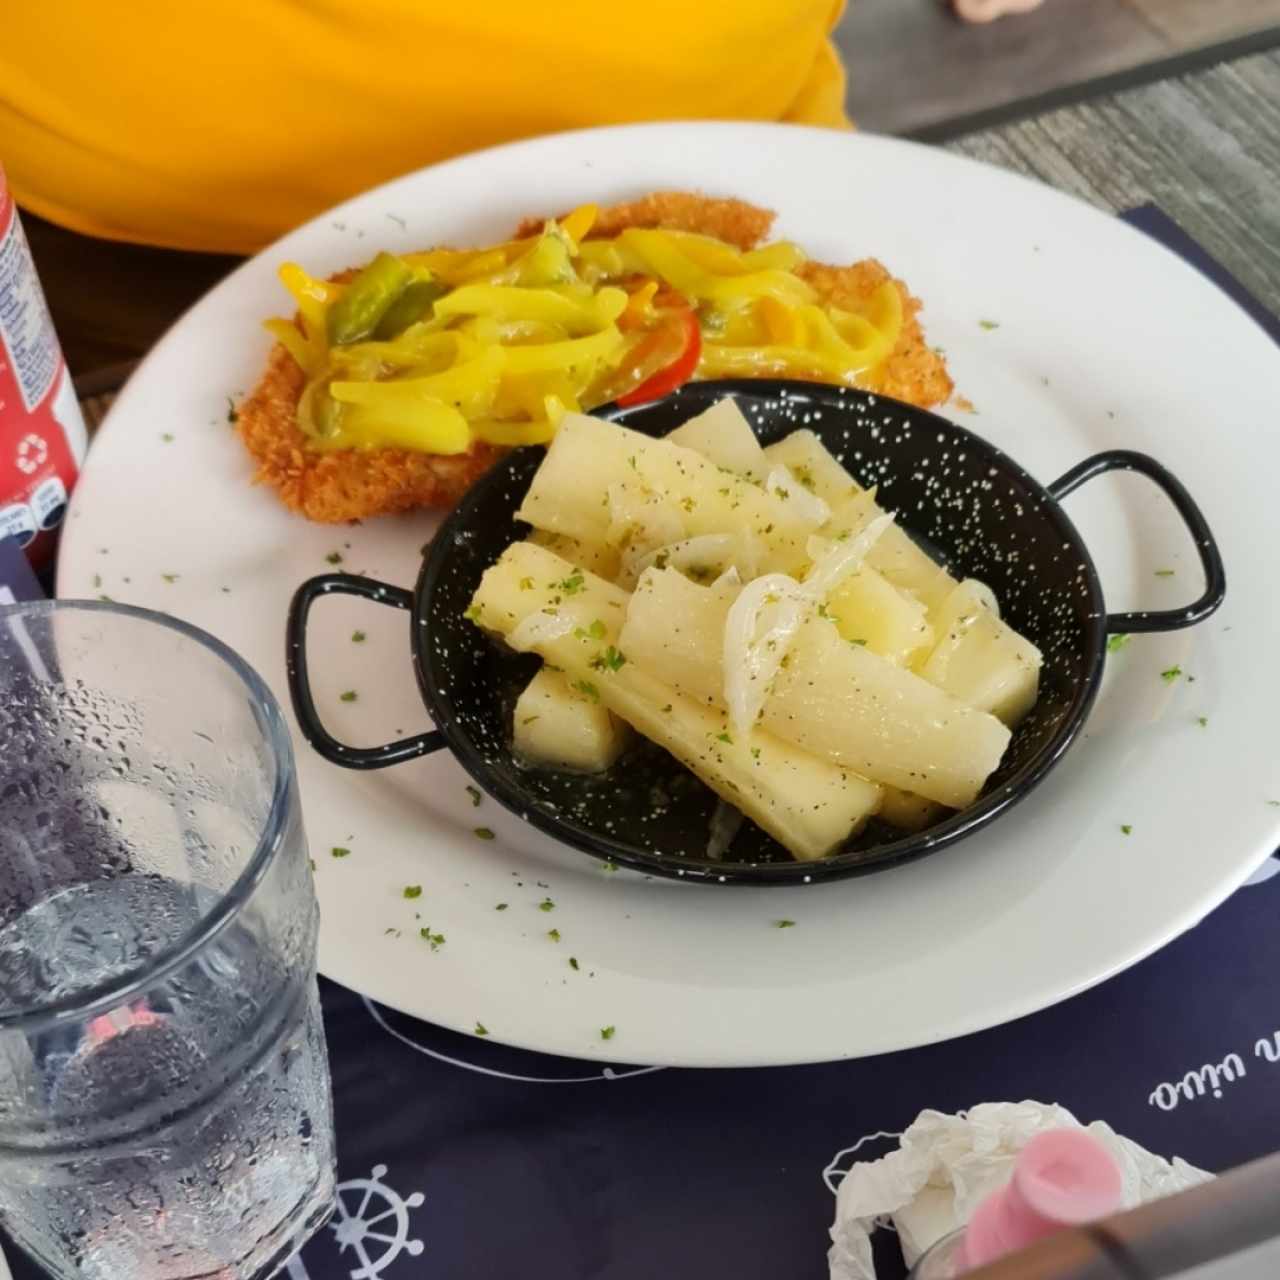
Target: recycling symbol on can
[(32, 453)]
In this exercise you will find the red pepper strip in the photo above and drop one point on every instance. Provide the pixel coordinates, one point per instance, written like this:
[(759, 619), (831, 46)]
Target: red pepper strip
[(677, 373)]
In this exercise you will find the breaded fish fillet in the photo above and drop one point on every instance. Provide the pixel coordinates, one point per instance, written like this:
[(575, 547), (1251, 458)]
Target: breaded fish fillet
[(351, 484)]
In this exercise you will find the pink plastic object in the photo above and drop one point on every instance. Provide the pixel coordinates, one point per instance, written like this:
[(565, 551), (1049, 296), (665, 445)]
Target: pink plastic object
[(1062, 1178), (990, 10)]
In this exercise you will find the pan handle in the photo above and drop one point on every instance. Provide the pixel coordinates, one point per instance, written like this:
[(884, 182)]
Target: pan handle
[(304, 705), (1210, 558)]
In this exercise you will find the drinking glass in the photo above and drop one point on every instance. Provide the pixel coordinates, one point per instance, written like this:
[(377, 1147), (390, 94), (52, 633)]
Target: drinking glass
[(165, 1111)]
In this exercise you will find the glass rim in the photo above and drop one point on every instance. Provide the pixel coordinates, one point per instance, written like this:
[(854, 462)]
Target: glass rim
[(133, 982)]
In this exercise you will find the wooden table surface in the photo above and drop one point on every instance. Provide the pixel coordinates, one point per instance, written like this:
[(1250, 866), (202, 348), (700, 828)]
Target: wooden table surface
[(1204, 146)]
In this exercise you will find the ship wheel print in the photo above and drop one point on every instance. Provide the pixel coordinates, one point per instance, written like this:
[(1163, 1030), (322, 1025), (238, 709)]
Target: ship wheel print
[(373, 1220)]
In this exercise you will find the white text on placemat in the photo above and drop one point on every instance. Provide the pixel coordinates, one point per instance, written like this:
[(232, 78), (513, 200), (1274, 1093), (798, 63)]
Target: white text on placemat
[(1210, 1080)]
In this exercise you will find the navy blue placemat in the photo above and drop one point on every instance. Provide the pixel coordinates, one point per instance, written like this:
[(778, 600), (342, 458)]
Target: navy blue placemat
[(461, 1158)]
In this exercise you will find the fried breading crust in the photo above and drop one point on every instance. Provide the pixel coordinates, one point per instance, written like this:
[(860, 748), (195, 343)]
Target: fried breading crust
[(734, 221), (350, 484)]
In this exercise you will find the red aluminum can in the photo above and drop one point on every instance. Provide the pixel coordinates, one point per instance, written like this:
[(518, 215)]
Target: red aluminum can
[(42, 432)]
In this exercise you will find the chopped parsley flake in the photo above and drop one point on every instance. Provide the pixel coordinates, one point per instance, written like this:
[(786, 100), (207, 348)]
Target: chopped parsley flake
[(232, 416), (553, 934), (530, 719), (358, 637), (502, 906), (339, 852), (412, 891), (393, 932), (858, 643), (1170, 674), (546, 905), (573, 963), (1202, 721), (170, 577), (610, 865), (436, 939), (1164, 573), (784, 924), (597, 630), (988, 324), (474, 612), (667, 709), (1117, 642), (724, 737), (97, 581), (349, 696), (167, 437), (688, 504), (484, 833), (1127, 829), (610, 660), (481, 1029), (474, 793), (572, 584), (606, 1033), (586, 687), (334, 557), (526, 584)]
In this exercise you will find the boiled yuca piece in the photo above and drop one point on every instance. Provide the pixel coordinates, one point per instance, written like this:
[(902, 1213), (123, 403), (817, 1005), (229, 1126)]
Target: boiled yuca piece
[(894, 555), (598, 557), (850, 706), (561, 727), (868, 609), (831, 698), (908, 812), (674, 628), (538, 601), (570, 493), (980, 659), (723, 435), (814, 466)]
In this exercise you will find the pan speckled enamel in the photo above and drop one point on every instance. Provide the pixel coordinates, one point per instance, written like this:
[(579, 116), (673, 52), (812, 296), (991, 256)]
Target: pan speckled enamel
[(966, 501)]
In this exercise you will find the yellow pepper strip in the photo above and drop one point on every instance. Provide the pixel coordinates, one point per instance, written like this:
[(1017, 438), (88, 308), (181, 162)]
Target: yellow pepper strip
[(577, 225), (508, 302), (780, 322), (309, 358), (312, 296), (639, 308), (426, 427), (663, 257), (458, 266), (609, 259), (470, 387), (782, 255), (421, 346), (884, 310), (513, 434), (564, 355), (850, 360)]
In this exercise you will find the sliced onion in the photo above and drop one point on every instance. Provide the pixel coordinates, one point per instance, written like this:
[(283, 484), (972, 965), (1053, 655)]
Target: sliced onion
[(538, 628), (726, 822), (761, 624), (842, 559), (805, 506)]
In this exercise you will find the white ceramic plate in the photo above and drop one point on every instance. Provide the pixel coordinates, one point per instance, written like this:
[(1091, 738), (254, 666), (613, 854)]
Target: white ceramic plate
[(1104, 339)]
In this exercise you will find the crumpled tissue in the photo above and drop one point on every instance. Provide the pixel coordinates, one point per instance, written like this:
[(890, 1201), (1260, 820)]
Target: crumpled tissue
[(946, 1165)]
